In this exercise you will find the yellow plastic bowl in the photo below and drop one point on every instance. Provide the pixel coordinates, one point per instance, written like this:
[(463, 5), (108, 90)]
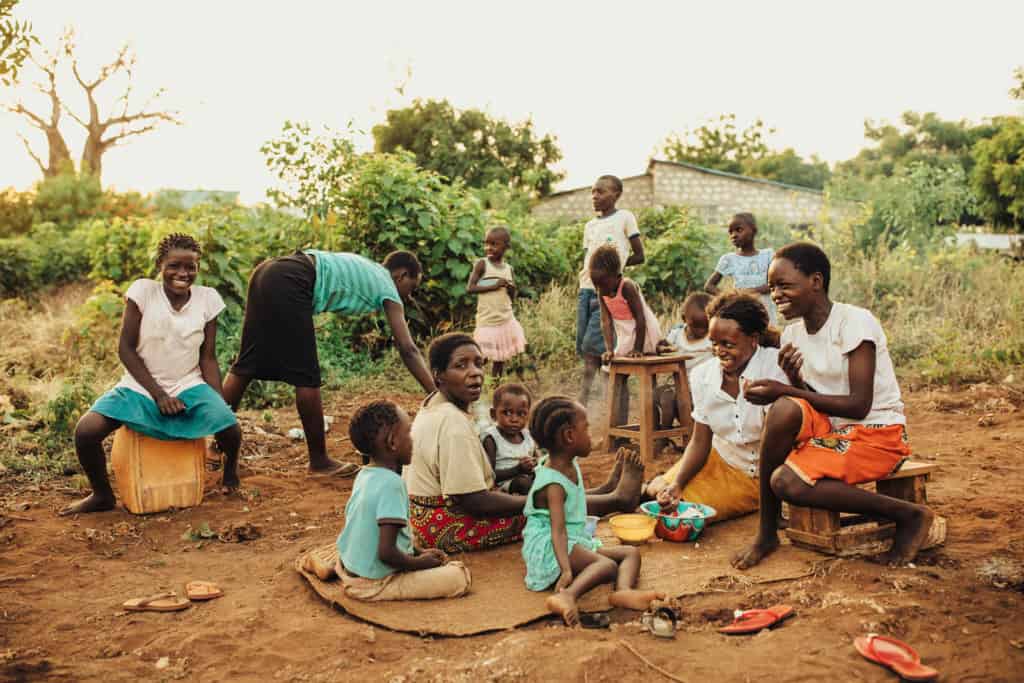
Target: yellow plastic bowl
[(633, 528)]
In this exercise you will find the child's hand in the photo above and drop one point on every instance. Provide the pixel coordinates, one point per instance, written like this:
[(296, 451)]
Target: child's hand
[(564, 580), (432, 557), (606, 357), (668, 498), (635, 354), (526, 464), (169, 405), (763, 391)]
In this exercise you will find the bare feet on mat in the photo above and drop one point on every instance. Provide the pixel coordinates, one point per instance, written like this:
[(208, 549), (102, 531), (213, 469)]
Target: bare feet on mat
[(93, 503), (314, 565), (910, 536), (634, 599), (762, 548), (563, 605)]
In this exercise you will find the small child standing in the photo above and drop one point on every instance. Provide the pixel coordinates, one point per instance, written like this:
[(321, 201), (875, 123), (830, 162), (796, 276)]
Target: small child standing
[(747, 266), (690, 338), (376, 557), (508, 444), (171, 386), (559, 554), (498, 333)]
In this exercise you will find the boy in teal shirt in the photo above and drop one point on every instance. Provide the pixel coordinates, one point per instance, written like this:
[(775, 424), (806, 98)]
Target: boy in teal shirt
[(376, 557)]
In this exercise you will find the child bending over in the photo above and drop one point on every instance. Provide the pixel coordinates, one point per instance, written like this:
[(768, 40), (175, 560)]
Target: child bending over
[(376, 558), (841, 423), (509, 446), (171, 386), (558, 552)]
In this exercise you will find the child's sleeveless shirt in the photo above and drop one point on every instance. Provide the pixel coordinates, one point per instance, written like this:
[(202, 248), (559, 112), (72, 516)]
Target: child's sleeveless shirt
[(494, 308)]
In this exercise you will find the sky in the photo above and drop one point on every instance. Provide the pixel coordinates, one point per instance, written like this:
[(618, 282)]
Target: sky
[(610, 79)]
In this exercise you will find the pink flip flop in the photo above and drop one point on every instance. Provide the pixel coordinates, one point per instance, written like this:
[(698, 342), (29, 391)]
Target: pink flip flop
[(895, 655), (754, 620)]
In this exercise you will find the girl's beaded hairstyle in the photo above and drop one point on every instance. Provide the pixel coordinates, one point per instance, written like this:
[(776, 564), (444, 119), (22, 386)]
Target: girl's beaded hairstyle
[(549, 417), (746, 311), (808, 259), (368, 422), (176, 240), (606, 259), (442, 348), (511, 389)]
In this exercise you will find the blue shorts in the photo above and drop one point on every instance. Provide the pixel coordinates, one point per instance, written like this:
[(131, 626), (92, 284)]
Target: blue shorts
[(589, 339), (205, 413)]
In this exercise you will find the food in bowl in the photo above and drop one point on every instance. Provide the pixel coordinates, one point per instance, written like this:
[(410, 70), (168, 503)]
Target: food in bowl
[(632, 528), (685, 523)]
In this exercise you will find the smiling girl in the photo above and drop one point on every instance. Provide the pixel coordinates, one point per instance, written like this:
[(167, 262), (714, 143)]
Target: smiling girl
[(171, 387)]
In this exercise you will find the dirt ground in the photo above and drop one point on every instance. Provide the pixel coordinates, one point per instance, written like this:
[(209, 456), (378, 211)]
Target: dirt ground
[(62, 583)]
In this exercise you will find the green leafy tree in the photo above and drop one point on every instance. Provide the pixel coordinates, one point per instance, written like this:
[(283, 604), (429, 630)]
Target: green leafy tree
[(723, 146), (16, 41), (471, 146), (314, 167), (998, 176)]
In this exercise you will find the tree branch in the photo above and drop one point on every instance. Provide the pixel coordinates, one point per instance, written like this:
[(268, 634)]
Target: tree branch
[(36, 120), (114, 139), (32, 154)]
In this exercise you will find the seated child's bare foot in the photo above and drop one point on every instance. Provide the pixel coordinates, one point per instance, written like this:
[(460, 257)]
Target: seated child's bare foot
[(631, 482), (634, 599), (910, 536), (94, 503), (313, 564), (762, 548), (564, 606), (613, 479)]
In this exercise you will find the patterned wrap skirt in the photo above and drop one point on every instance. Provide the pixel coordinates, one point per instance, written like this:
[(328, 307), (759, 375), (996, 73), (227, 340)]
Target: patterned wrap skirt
[(437, 523)]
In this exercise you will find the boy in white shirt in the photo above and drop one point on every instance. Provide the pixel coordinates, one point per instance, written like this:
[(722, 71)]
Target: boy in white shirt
[(612, 226), (842, 422)]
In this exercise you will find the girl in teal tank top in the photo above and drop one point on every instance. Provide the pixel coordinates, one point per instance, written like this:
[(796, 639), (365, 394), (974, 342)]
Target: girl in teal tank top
[(558, 552)]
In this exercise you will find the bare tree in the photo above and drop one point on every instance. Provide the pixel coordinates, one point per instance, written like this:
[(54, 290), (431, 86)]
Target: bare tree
[(102, 133)]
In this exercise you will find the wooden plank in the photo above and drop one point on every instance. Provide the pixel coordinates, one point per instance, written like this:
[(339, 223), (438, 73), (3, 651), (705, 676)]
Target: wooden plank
[(799, 518), (824, 521), (913, 469), (610, 392), (627, 364), (912, 489), (647, 418), (633, 432), (684, 402), (811, 540)]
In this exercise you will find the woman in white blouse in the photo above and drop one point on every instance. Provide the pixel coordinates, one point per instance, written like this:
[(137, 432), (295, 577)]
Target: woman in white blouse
[(719, 466)]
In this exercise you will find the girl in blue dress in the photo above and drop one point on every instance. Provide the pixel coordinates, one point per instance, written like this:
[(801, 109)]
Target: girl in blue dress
[(559, 554)]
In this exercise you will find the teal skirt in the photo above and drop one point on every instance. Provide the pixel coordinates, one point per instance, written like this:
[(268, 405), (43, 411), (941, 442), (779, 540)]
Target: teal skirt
[(205, 413)]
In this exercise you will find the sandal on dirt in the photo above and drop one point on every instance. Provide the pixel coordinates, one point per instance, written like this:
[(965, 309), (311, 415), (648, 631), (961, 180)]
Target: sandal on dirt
[(660, 622), (595, 620), (754, 620), (161, 602), (344, 471), (895, 655), (202, 590)]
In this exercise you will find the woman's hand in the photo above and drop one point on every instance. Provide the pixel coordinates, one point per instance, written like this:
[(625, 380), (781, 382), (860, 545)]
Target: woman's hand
[(791, 360), (635, 354), (606, 357), (668, 496), (169, 405), (763, 391), (564, 580)]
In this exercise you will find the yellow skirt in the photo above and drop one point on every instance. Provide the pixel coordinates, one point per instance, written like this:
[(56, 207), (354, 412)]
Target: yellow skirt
[(731, 492)]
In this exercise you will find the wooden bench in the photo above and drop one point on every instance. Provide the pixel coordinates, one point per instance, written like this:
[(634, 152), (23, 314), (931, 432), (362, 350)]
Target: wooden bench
[(848, 534)]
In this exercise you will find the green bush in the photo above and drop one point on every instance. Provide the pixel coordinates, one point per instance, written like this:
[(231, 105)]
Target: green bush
[(18, 269), (61, 258), (15, 212), (680, 253)]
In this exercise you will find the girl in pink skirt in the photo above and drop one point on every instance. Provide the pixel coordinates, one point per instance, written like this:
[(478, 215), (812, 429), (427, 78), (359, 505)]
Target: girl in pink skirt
[(498, 333)]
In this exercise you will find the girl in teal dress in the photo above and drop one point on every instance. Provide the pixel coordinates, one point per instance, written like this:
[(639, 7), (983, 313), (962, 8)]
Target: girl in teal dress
[(558, 552)]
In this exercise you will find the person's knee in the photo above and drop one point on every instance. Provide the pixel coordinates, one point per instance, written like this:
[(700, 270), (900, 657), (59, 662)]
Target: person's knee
[(784, 413), (231, 435), (786, 484), (608, 568), (521, 484), (89, 431)]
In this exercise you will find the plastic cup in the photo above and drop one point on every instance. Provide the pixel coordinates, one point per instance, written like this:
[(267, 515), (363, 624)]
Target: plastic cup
[(591, 526)]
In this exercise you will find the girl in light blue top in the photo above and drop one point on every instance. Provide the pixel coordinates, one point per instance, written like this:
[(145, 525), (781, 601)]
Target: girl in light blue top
[(558, 552), (748, 265)]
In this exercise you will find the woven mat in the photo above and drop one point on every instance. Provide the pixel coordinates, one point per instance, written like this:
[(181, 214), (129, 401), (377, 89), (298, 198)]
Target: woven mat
[(499, 599)]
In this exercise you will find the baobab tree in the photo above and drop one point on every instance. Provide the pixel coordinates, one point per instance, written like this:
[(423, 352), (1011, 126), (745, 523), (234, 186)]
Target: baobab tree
[(102, 132)]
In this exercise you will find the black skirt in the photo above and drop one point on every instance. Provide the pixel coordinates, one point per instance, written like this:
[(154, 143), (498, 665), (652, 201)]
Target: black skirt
[(278, 338)]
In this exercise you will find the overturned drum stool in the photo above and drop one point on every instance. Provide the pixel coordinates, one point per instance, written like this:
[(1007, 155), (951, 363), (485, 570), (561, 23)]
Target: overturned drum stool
[(645, 431)]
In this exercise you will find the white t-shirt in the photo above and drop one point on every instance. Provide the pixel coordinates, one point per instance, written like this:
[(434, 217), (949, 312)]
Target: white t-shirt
[(169, 340), (614, 229), (826, 366), (700, 349), (735, 423)]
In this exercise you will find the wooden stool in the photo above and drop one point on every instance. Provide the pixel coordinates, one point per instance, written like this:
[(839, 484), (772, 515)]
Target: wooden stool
[(647, 368), (848, 534)]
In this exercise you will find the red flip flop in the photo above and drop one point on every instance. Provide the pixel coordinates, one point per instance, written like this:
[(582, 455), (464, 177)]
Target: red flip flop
[(754, 620), (895, 655)]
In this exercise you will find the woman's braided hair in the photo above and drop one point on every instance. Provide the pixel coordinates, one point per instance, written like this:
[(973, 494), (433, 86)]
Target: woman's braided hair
[(176, 240), (548, 418)]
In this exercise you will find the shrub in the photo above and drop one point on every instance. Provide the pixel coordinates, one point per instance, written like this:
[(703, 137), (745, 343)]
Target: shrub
[(18, 272), (61, 258), (15, 212)]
